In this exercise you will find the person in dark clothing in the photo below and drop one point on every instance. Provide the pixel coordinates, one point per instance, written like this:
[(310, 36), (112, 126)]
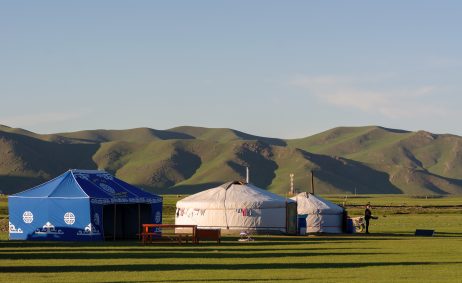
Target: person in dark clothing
[(367, 217)]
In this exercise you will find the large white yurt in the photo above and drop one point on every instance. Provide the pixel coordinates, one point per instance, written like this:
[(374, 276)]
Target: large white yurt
[(322, 216), (236, 206)]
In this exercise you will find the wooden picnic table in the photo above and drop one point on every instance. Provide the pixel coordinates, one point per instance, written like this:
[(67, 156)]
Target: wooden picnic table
[(179, 231), (210, 234)]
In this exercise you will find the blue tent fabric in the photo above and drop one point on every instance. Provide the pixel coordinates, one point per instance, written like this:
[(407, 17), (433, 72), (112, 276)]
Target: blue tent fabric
[(48, 188), (70, 207)]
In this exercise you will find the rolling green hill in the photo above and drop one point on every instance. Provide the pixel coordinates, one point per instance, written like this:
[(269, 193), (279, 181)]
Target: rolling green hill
[(188, 159)]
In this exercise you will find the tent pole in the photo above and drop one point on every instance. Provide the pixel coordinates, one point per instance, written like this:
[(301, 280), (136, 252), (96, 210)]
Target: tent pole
[(287, 218), (115, 219), (139, 221), (312, 182)]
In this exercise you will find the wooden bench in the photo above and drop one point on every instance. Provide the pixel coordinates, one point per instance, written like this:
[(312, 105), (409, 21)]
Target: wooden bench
[(187, 233), (209, 234), (147, 237), (178, 233)]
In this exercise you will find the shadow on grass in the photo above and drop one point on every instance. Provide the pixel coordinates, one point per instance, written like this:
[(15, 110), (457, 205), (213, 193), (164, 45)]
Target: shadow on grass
[(154, 248), (161, 244), (272, 243), (313, 239), (226, 241), (172, 255), (195, 266), (230, 243), (225, 280), (447, 234)]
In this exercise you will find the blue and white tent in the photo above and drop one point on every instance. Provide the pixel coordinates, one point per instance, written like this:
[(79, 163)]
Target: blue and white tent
[(82, 205)]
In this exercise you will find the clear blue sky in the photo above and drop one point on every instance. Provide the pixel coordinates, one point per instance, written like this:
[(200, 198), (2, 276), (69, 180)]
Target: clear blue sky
[(274, 68)]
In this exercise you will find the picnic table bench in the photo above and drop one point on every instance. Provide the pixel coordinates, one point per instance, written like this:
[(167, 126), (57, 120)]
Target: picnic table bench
[(178, 232)]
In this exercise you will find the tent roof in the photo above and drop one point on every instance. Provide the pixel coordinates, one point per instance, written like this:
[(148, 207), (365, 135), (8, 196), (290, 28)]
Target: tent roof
[(93, 184), (233, 195), (311, 204)]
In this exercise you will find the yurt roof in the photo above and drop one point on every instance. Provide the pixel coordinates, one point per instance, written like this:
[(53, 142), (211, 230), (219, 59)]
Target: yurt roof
[(233, 195), (312, 204)]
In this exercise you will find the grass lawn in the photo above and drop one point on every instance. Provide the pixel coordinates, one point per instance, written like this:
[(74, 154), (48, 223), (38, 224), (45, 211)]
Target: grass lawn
[(390, 254)]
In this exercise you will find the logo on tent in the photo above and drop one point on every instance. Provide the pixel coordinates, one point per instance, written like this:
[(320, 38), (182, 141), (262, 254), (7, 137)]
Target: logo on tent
[(89, 230), (14, 230), (49, 229), (69, 218), (106, 176), (82, 176), (27, 217), (157, 217), (108, 189)]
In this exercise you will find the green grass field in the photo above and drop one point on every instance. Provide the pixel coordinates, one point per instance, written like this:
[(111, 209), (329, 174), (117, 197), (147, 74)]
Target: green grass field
[(390, 254)]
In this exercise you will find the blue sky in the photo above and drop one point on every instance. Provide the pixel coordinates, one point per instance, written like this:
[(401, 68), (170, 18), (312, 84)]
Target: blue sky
[(274, 68)]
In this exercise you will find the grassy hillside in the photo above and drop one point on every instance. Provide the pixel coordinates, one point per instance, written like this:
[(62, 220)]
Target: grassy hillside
[(27, 161), (416, 162), (138, 135), (349, 141), (188, 159), (223, 135)]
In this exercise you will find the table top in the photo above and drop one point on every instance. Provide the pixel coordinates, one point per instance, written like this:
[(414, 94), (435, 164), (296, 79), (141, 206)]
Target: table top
[(170, 225)]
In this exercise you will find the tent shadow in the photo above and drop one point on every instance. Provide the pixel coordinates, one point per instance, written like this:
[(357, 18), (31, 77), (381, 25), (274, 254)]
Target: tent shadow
[(228, 280), (157, 249), (181, 267), (34, 255), (228, 241)]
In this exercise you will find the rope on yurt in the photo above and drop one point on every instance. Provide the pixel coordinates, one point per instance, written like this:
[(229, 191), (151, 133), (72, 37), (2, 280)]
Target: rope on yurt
[(224, 200)]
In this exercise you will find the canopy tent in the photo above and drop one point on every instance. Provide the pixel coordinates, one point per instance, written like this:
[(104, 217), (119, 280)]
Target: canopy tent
[(322, 216), (237, 206), (82, 205)]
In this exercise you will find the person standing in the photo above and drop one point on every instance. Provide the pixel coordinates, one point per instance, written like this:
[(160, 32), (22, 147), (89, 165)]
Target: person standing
[(367, 216)]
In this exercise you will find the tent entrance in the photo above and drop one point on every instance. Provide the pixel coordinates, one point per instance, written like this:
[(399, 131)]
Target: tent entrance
[(123, 221)]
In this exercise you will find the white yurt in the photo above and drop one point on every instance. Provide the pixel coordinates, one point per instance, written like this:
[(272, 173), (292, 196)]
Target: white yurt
[(236, 206), (322, 216)]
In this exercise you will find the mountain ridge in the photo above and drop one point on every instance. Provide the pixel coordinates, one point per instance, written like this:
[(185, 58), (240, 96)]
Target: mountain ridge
[(186, 159)]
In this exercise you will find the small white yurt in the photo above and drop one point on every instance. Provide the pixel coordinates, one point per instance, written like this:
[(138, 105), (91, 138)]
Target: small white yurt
[(238, 206), (322, 216)]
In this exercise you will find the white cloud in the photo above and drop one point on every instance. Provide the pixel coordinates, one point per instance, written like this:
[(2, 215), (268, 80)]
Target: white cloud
[(368, 94)]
